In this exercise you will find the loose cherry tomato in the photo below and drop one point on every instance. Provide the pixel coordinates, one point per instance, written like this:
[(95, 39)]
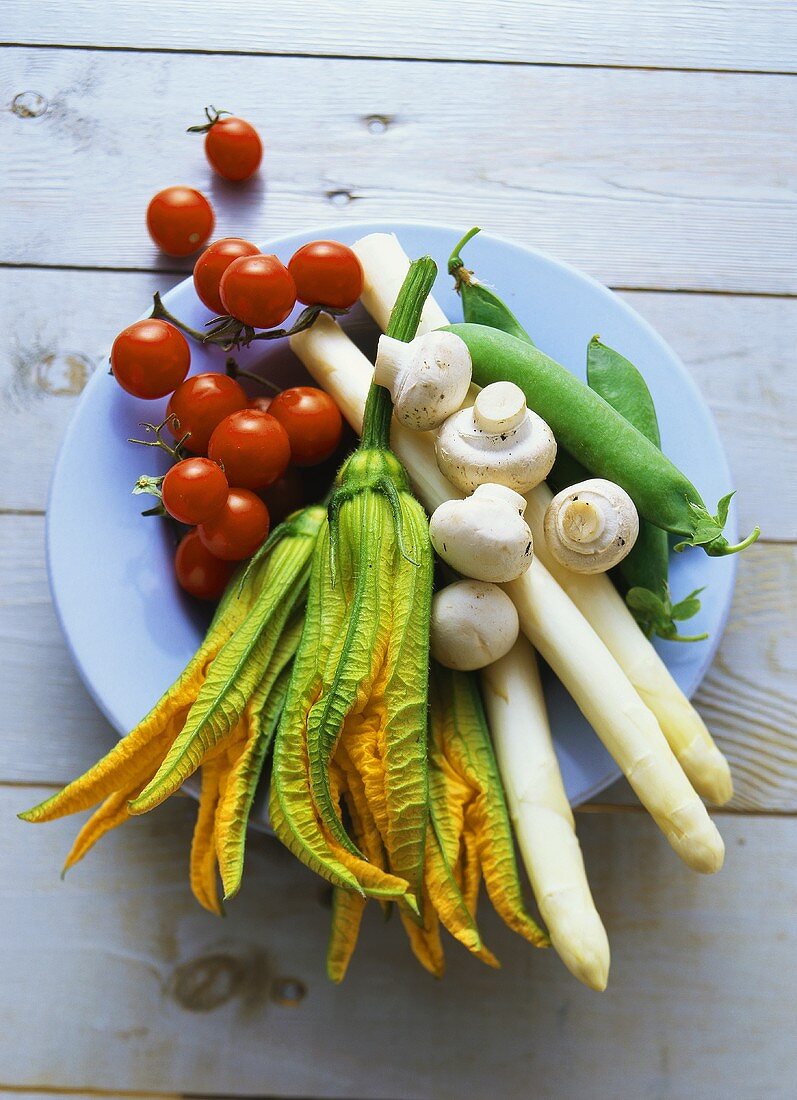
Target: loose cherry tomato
[(239, 528), (212, 264), (180, 220), (198, 571), (261, 403), (327, 273), (194, 491), (233, 148), (312, 422), (150, 358), (258, 290), (200, 404), (285, 495), (252, 447)]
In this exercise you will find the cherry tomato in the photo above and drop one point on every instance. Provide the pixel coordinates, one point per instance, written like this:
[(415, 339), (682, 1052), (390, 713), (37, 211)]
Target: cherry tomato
[(262, 403), (233, 148), (285, 495), (198, 571), (327, 273), (252, 447), (239, 528), (150, 358), (199, 404), (180, 220), (195, 490), (212, 264), (312, 422), (258, 290)]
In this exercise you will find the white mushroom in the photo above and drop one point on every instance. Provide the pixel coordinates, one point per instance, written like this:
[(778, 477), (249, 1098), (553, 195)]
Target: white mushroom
[(590, 527), (498, 440), (485, 535), (428, 378), (473, 624)]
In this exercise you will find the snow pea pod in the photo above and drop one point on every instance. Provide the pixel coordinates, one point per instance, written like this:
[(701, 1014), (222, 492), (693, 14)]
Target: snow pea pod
[(601, 438), (646, 568)]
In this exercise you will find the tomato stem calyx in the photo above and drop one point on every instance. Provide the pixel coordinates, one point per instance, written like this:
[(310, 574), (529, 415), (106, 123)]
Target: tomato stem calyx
[(212, 115)]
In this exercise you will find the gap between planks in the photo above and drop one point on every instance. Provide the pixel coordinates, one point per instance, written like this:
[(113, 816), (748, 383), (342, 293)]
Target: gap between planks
[(717, 292), (194, 51)]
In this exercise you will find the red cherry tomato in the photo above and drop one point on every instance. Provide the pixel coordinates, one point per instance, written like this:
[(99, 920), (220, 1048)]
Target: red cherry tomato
[(198, 571), (252, 447), (180, 220), (312, 422), (195, 490), (239, 528), (287, 493), (261, 403), (199, 404), (327, 273), (212, 264), (258, 290), (233, 148), (150, 358)]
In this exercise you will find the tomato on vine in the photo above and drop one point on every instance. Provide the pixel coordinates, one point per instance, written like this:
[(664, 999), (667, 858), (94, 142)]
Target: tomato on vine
[(212, 264), (239, 528), (180, 220), (150, 358), (327, 273), (200, 404), (312, 422), (253, 448), (199, 572), (232, 145), (258, 290), (194, 491)]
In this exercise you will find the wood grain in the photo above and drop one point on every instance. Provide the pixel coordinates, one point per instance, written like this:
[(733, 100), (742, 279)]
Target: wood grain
[(137, 988), (712, 34), (646, 179), (50, 731), (740, 351)]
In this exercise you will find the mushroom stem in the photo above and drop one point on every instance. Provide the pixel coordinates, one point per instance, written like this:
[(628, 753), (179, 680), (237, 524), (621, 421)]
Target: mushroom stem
[(499, 408), (390, 361), (579, 522)]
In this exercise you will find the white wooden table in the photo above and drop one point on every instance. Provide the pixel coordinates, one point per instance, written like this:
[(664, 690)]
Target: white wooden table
[(651, 142)]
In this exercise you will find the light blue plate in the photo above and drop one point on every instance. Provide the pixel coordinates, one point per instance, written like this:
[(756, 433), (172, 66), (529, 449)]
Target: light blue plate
[(131, 630)]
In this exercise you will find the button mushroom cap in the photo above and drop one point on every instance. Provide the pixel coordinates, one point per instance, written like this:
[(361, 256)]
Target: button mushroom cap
[(473, 624), (498, 440), (428, 378), (485, 535), (592, 526)]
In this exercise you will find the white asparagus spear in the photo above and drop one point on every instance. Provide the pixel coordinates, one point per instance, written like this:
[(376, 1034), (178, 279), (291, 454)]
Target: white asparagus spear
[(541, 814), (385, 265), (549, 619)]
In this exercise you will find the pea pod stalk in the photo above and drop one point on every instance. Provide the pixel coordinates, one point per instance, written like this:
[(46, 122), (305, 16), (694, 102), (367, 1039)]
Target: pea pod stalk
[(363, 658)]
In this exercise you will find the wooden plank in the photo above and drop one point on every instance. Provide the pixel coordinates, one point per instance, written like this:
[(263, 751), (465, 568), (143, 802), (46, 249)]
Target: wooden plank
[(739, 350), (646, 179), (712, 34), (137, 988), (50, 731)]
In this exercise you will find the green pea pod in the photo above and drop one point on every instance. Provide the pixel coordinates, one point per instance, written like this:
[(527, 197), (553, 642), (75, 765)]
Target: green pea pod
[(646, 568), (362, 661)]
